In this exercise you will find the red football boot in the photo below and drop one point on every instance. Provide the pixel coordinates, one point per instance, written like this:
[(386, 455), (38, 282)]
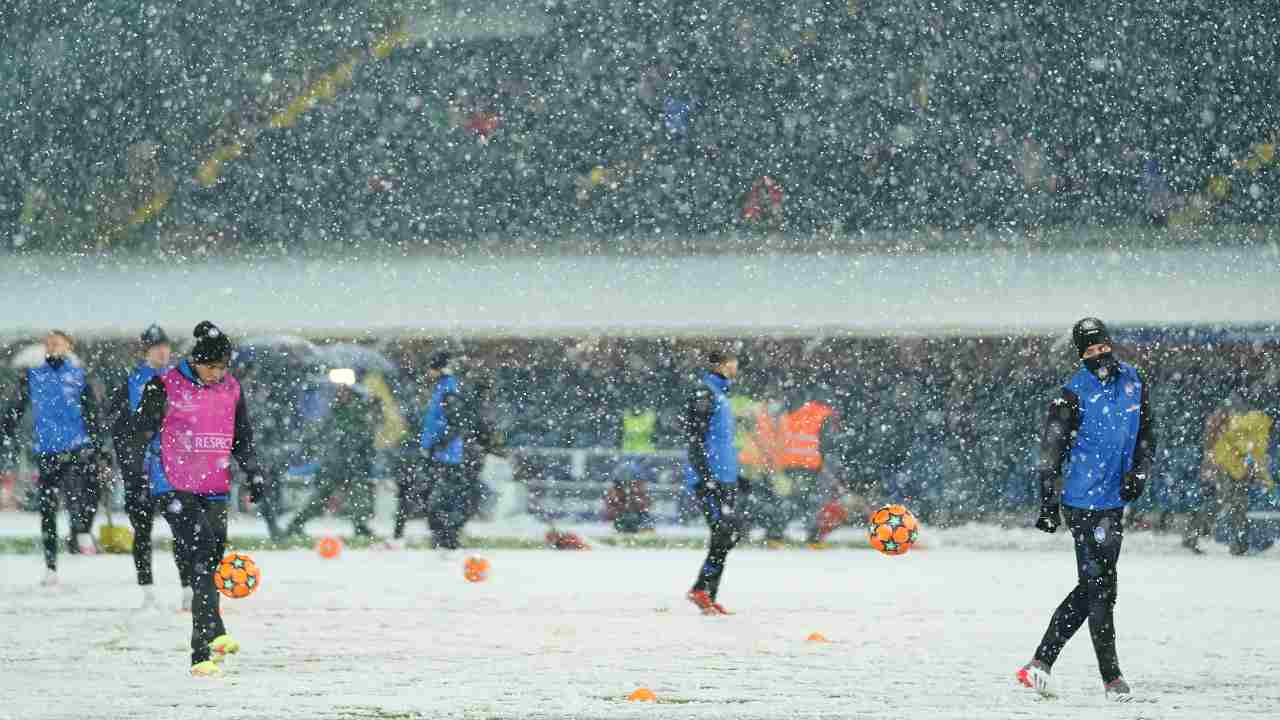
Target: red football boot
[(704, 603)]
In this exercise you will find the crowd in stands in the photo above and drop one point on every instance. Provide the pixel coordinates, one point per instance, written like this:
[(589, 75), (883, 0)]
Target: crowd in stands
[(269, 125)]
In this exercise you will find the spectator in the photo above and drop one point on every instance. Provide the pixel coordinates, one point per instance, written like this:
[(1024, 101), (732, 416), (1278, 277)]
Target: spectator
[(1236, 441)]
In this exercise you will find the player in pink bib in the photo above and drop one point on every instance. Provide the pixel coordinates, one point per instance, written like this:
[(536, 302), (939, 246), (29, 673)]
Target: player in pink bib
[(198, 422)]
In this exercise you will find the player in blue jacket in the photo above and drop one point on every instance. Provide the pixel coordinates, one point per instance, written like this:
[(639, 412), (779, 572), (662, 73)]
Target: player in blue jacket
[(130, 448), (711, 473), (442, 452), (1101, 430), (66, 444)]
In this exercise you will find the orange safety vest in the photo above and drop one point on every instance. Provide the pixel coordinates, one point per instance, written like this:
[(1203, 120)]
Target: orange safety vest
[(801, 436), (762, 448)]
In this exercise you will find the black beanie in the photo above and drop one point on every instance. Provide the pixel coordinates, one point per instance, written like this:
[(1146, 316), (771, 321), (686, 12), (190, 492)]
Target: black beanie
[(153, 336), (1089, 332), (717, 356), (212, 345), (440, 360)]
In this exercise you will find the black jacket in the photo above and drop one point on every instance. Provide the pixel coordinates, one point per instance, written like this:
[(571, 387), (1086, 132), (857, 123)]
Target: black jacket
[(119, 415), (695, 421)]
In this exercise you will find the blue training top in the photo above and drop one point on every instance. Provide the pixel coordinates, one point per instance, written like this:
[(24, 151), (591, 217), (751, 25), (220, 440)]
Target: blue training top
[(1102, 453)]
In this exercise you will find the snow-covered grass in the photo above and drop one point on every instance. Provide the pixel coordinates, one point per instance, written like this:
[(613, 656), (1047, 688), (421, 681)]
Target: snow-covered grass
[(937, 633)]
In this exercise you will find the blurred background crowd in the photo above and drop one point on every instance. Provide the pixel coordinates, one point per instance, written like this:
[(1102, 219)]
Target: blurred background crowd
[(272, 125), (951, 425)]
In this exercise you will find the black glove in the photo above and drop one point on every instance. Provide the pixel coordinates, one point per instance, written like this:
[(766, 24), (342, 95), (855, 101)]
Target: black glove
[(744, 486), (706, 486), (87, 454), (1050, 518), (1132, 487), (257, 487)]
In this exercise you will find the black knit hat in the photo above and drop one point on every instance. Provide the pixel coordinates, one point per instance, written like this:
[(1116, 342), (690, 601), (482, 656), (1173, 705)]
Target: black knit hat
[(212, 345), (153, 336), (717, 356), (1089, 332), (440, 360)]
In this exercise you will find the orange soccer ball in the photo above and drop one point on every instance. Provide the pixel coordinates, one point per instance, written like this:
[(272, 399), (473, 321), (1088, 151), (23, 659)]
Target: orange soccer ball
[(329, 547), (475, 569), (237, 575), (893, 529)]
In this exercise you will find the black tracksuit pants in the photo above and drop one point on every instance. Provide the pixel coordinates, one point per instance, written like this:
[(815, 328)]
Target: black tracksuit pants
[(446, 503), (77, 478), (200, 533), (410, 500), (720, 507), (141, 507), (1097, 535)]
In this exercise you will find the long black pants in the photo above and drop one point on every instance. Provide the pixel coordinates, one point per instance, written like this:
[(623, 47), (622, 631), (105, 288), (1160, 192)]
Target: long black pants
[(410, 498), (1219, 491), (348, 475), (200, 532), (720, 507), (77, 478), (447, 504), (477, 492), (141, 507), (1097, 535)]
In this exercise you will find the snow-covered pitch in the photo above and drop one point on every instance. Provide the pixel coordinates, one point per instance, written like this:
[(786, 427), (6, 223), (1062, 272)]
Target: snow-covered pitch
[(937, 633)]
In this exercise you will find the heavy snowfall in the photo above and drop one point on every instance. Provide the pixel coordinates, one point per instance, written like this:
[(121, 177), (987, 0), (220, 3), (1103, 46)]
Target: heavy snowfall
[(936, 633), (500, 279)]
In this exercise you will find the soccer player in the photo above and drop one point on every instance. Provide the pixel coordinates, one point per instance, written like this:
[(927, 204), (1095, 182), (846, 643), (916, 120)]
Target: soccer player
[(130, 450), (1102, 428), (711, 473), (442, 451), (66, 444), (347, 460), (199, 420)]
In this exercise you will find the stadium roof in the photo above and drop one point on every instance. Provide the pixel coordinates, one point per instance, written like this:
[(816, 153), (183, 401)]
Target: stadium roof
[(914, 294)]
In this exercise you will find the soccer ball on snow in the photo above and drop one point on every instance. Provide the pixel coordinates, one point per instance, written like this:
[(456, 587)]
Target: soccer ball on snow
[(475, 569), (893, 529), (237, 575)]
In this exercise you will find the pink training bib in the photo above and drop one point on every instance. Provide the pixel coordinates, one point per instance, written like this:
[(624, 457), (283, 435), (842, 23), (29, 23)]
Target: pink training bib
[(196, 436)]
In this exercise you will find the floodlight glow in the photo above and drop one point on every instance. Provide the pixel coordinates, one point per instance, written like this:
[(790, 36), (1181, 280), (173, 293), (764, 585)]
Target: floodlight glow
[(342, 376)]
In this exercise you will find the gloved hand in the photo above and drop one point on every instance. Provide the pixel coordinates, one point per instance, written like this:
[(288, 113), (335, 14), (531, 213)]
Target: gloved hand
[(1050, 518), (1259, 472), (87, 454), (257, 487), (744, 486), (1132, 487), (706, 486)]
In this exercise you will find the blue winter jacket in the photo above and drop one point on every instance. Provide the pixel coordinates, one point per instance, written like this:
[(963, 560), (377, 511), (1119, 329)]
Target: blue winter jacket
[(57, 407), (1103, 450), (709, 418), (435, 424)]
